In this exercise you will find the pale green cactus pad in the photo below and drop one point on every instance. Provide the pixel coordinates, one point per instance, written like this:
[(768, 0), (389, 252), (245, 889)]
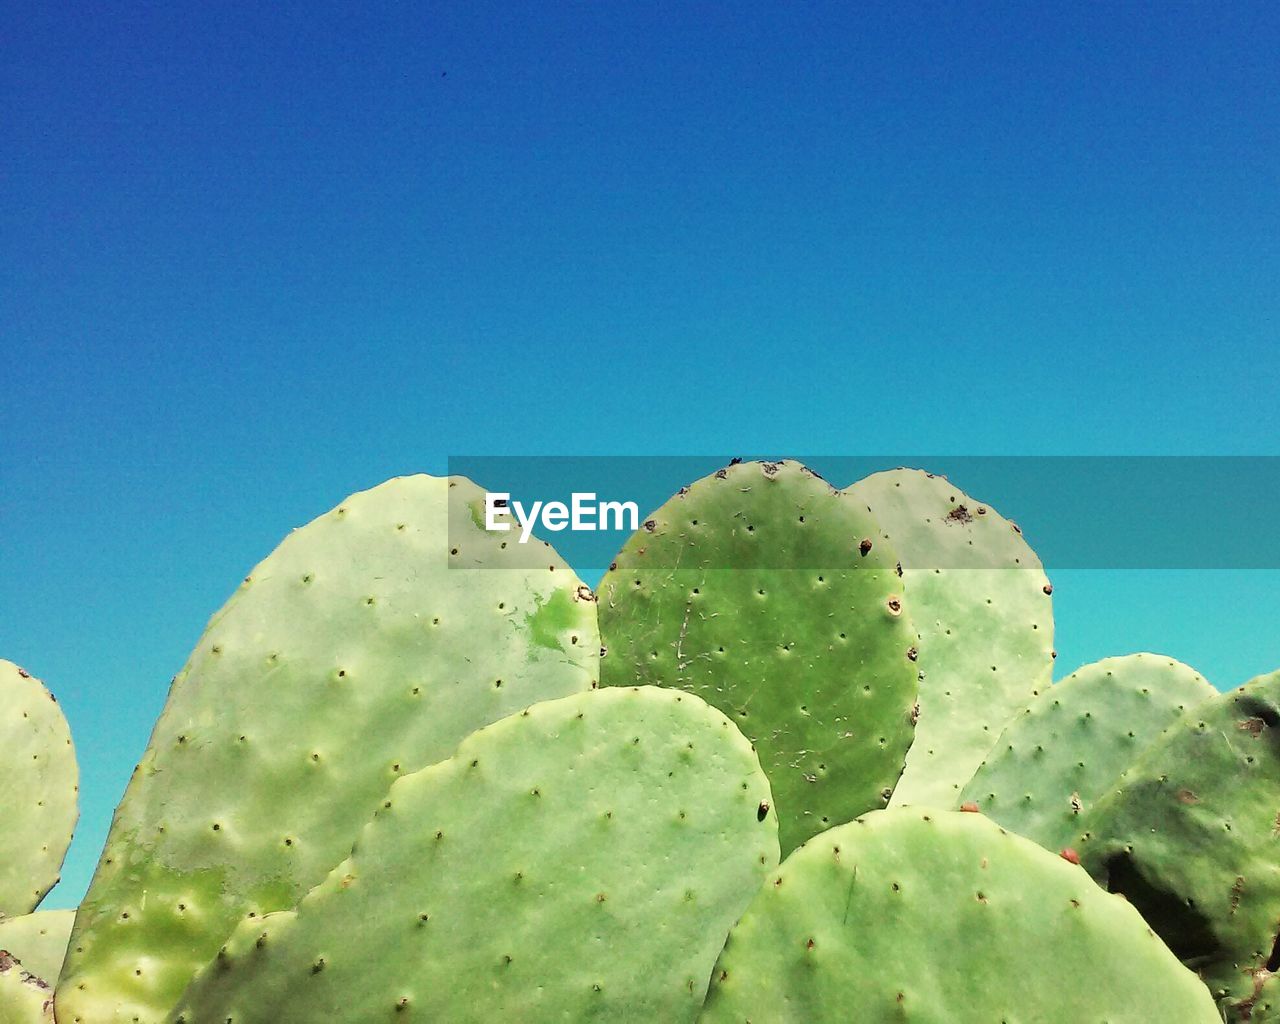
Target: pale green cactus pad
[(1191, 836), (582, 860), (39, 940), (368, 645), (41, 787), (764, 591), (1067, 748), (980, 602), (24, 997), (916, 916)]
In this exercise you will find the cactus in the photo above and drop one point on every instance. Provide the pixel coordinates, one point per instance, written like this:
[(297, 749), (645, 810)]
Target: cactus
[(906, 915), (980, 601), (1262, 1006), (766, 593), (41, 786), (38, 940), (360, 650), (582, 860), (1189, 836), (24, 998), (1068, 747)]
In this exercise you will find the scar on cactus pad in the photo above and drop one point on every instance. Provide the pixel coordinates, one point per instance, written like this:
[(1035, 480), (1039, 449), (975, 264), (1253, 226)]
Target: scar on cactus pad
[(368, 645), (581, 860), (981, 604), (24, 997), (905, 915), (777, 600), (41, 789), (1067, 748)]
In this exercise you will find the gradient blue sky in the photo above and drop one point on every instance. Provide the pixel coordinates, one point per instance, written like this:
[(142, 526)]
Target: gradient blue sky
[(252, 259)]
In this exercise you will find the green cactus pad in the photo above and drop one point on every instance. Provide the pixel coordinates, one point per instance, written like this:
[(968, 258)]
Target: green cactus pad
[(24, 998), (764, 591), (38, 940), (41, 787), (1191, 836), (582, 860), (907, 915), (1068, 747), (368, 645), (980, 602)]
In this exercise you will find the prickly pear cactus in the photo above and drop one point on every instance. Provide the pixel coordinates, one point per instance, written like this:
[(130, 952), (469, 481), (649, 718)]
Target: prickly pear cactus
[(41, 786), (38, 940), (582, 860), (1190, 837), (1067, 748), (1262, 1006), (362, 649), (24, 997), (980, 601), (764, 591), (905, 915)]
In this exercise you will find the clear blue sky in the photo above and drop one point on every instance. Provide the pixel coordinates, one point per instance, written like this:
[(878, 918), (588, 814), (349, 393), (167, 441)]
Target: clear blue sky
[(254, 257)]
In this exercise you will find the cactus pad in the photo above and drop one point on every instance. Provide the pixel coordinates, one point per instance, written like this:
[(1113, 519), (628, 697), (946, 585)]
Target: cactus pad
[(1190, 836), (582, 860), (41, 786), (38, 940), (1069, 746), (360, 650), (24, 998), (906, 915), (764, 591), (980, 602)]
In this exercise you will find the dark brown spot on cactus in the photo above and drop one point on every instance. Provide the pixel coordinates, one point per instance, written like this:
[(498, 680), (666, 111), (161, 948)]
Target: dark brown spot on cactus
[(912, 654), (959, 514), (865, 547), (809, 945), (1186, 796), (721, 474), (24, 673), (895, 605), (762, 811), (650, 525)]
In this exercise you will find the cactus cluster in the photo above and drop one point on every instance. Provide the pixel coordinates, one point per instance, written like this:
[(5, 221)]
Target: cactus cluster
[(411, 772), (38, 812)]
